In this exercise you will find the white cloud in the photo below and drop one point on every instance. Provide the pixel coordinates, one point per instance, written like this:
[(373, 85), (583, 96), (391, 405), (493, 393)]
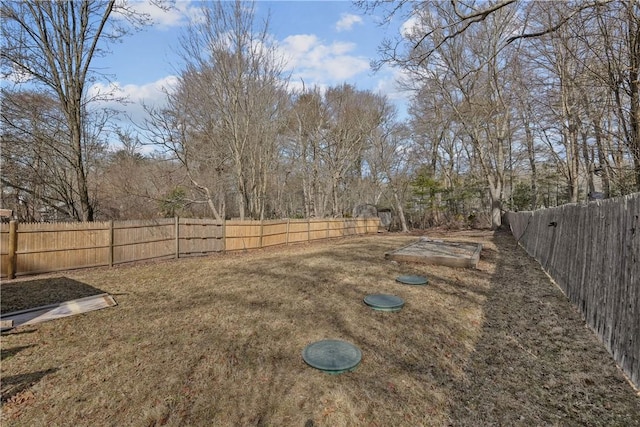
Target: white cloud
[(175, 15), (135, 96), (320, 64), (137, 93), (420, 22), (389, 84), (410, 26), (16, 76), (299, 44), (347, 21)]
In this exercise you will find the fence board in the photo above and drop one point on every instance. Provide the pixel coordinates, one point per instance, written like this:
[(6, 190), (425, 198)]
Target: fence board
[(200, 236), (350, 227), (136, 240), (298, 230), (46, 247), (242, 235), (593, 254), (371, 225), (335, 228), (4, 249), (274, 233), (318, 229)]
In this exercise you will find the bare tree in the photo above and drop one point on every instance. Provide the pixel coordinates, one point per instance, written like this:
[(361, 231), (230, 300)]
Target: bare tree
[(37, 161), (390, 153), (575, 52), (438, 142), (307, 126), (231, 100), (132, 185), (185, 131), (473, 85), (466, 16), (52, 44), (618, 27), (564, 101), (327, 136), (352, 117)]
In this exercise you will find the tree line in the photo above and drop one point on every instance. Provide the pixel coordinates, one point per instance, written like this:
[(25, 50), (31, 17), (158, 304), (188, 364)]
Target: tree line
[(513, 105)]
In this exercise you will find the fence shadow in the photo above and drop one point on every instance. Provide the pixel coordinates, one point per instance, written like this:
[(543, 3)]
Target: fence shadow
[(535, 362), (14, 384), (26, 294), (5, 353)]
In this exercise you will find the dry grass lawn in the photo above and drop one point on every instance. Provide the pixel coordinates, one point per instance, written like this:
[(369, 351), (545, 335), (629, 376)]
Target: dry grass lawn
[(217, 341)]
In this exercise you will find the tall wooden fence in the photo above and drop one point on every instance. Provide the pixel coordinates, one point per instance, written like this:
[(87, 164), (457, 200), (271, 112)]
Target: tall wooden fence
[(592, 251), (33, 248)]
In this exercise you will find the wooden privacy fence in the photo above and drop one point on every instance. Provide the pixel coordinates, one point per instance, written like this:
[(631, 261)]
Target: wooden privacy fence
[(593, 253), (33, 248)]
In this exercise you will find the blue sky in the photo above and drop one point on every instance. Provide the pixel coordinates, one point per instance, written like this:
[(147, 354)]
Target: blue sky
[(327, 43)]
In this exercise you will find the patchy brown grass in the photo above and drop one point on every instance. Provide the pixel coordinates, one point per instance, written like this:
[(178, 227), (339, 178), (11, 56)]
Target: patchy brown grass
[(218, 341)]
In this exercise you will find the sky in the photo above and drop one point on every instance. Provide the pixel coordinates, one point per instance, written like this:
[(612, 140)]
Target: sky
[(327, 43)]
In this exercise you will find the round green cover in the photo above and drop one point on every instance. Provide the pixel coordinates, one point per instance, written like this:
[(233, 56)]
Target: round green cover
[(332, 356), (412, 280), (384, 302)]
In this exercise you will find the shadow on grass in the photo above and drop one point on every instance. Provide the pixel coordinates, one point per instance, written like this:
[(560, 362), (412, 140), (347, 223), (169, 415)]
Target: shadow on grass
[(26, 294), (6, 353), (535, 362), (15, 384), (416, 346)]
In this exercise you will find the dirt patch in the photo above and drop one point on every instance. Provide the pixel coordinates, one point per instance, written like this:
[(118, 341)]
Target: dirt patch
[(218, 341)]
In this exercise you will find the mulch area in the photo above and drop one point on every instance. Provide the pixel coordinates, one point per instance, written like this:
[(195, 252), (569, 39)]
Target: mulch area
[(536, 362)]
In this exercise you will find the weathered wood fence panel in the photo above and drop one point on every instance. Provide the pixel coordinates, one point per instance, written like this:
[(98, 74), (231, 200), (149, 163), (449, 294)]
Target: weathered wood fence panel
[(139, 240), (53, 247), (592, 252), (274, 233), (298, 230), (337, 228), (242, 235), (199, 237), (47, 247), (350, 227), (4, 249), (367, 225), (318, 229)]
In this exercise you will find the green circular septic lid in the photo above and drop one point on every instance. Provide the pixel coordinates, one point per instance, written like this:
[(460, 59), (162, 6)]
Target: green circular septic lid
[(384, 302), (412, 280), (332, 356)]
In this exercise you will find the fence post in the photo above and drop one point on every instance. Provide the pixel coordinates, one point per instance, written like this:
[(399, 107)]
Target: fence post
[(261, 233), (287, 234), (177, 243), (111, 243), (224, 235), (13, 249), (309, 229)]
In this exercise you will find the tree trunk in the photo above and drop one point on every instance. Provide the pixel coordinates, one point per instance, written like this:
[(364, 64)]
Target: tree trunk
[(634, 88), (495, 191), (531, 154), (403, 220), (86, 209)]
